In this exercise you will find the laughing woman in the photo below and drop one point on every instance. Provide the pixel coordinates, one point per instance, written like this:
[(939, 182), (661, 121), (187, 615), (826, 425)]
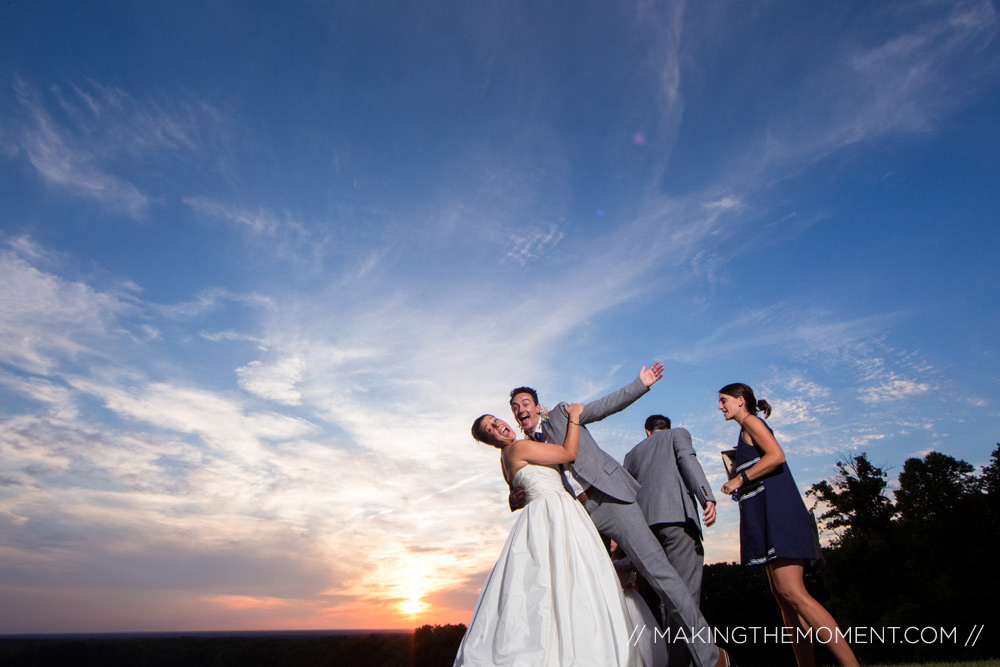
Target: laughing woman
[(553, 599), (775, 528)]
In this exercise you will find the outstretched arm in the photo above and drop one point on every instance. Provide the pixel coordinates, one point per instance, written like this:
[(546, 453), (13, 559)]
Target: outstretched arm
[(624, 397)]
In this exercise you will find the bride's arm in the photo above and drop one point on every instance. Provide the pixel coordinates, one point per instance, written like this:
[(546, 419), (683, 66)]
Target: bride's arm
[(545, 453)]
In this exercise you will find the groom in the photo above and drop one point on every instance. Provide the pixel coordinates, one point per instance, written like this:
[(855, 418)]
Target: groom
[(608, 494)]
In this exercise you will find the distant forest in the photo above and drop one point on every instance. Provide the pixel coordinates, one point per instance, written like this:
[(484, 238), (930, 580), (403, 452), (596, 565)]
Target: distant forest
[(427, 646), (925, 558)]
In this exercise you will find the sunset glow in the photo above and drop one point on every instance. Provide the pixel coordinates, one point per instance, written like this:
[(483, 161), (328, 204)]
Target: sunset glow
[(413, 606)]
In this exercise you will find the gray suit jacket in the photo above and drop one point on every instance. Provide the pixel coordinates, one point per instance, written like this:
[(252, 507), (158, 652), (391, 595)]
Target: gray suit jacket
[(666, 466), (592, 463)]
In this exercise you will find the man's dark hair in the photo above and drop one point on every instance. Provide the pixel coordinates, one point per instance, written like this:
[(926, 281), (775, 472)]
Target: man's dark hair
[(524, 390), (657, 423)]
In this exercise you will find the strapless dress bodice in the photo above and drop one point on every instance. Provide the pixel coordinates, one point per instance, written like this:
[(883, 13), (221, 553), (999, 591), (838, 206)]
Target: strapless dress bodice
[(537, 480)]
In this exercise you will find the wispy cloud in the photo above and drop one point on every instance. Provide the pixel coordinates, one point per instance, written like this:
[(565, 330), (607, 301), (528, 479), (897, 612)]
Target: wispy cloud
[(288, 238), (893, 390), (798, 330), (45, 319), (75, 139), (533, 244), (60, 161), (222, 424), (57, 398), (208, 300), (906, 82), (275, 381)]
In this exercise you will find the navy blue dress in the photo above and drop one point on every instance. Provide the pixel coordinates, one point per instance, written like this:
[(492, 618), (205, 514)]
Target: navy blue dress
[(774, 522)]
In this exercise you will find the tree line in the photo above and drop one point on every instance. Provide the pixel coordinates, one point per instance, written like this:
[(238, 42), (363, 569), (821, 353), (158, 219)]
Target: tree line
[(427, 646)]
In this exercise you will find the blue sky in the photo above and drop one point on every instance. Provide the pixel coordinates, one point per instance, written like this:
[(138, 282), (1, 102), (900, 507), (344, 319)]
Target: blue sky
[(262, 266)]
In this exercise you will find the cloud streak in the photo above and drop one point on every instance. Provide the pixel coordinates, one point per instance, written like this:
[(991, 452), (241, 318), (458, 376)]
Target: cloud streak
[(75, 139), (46, 320)]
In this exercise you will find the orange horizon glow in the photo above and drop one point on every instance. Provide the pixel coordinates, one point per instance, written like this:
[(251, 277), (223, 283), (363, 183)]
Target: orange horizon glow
[(268, 613)]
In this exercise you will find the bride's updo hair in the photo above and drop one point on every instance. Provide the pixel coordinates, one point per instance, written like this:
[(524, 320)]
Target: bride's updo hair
[(740, 390), (479, 433)]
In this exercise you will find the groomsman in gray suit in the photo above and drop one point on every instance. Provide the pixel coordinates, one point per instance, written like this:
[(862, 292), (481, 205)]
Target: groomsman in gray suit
[(608, 494), (673, 489)]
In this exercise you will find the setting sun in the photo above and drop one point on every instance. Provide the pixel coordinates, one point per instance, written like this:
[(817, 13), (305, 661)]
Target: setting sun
[(413, 606)]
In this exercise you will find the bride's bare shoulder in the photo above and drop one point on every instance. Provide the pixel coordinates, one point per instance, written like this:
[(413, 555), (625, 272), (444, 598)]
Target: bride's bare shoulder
[(515, 456)]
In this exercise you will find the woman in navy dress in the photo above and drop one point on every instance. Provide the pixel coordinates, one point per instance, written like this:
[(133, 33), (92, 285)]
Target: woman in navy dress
[(775, 528)]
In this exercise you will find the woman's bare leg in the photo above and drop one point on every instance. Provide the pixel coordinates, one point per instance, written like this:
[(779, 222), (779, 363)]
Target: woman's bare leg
[(789, 586), (801, 642)]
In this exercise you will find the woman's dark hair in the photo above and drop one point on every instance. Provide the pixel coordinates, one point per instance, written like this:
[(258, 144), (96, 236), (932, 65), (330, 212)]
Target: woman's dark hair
[(479, 433), (740, 390)]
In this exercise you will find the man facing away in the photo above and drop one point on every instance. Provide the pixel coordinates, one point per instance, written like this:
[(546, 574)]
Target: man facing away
[(608, 493), (673, 486)]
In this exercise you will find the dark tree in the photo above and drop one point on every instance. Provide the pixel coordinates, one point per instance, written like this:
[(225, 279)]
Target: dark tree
[(856, 498), (861, 565), (437, 645), (945, 551), (734, 596), (934, 487), (991, 487), (926, 559)]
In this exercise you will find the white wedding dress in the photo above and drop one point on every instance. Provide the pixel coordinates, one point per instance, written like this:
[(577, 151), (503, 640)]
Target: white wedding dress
[(553, 598), (651, 645)]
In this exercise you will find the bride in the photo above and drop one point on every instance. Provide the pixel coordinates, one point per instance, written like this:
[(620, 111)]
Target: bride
[(553, 597)]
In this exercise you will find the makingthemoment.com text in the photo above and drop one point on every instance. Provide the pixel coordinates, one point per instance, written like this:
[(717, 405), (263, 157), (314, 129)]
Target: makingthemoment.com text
[(852, 635)]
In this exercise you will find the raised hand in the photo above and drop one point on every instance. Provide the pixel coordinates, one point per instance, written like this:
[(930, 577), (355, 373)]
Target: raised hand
[(575, 410), (650, 375)]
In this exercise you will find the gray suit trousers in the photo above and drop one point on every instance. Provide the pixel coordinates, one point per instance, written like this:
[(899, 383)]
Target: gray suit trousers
[(682, 545), (625, 524)]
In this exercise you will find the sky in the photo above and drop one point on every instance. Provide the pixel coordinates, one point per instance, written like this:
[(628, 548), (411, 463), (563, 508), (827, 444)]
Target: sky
[(262, 265)]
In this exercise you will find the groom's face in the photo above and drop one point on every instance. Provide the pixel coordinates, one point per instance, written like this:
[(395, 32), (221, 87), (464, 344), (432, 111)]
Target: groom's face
[(526, 412)]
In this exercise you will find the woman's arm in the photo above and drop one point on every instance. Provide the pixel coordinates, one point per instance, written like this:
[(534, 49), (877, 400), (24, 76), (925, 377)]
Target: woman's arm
[(773, 456), (545, 453)]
